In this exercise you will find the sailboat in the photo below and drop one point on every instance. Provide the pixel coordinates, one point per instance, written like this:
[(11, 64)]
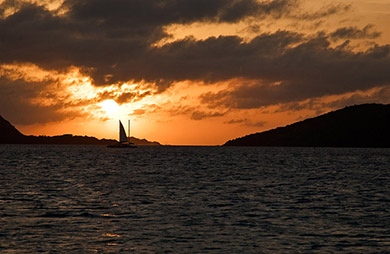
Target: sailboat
[(124, 141)]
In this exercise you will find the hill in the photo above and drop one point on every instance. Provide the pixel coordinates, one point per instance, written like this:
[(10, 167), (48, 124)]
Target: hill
[(8, 131), (366, 125), (143, 142), (10, 135)]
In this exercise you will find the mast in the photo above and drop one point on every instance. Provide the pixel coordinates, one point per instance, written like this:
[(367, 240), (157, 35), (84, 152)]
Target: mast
[(129, 129)]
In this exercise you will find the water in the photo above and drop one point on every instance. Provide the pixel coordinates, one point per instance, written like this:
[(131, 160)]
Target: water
[(88, 199)]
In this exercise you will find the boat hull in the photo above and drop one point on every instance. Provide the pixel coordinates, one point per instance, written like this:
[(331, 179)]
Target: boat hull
[(122, 146)]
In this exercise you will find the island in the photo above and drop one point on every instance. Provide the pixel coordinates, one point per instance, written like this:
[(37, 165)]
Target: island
[(10, 135), (366, 125)]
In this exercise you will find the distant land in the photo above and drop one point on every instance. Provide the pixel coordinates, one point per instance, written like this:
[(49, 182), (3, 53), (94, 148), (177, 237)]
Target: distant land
[(366, 125), (10, 135)]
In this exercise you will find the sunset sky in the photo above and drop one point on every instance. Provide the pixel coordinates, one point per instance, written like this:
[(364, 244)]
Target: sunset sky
[(187, 72)]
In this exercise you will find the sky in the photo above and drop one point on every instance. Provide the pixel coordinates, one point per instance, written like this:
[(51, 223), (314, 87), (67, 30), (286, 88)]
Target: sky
[(188, 72)]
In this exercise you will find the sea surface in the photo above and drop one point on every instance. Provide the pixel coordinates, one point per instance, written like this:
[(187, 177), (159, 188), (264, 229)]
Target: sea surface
[(91, 199)]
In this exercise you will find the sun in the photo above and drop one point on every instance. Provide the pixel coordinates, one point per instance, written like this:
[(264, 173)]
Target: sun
[(109, 106)]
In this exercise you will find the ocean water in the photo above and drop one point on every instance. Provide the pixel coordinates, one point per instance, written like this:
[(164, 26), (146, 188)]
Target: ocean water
[(90, 199)]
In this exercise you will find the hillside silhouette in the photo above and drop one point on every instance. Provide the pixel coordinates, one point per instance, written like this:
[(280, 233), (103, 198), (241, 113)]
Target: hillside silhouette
[(366, 125), (10, 135), (8, 131)]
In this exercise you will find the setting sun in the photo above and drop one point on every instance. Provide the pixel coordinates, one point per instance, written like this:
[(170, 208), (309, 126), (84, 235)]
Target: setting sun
[(109, 106)]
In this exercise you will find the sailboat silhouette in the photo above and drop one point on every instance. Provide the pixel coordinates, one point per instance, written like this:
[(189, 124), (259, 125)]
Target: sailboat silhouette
[(124, 140)]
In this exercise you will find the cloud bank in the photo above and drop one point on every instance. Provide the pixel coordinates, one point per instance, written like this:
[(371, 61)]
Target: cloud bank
[(114, 42)]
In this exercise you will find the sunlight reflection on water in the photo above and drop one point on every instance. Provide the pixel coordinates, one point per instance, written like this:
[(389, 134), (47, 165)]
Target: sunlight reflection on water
[(88, 199)]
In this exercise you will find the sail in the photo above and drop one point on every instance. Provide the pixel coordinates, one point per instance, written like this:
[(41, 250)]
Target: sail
[(122, 133)]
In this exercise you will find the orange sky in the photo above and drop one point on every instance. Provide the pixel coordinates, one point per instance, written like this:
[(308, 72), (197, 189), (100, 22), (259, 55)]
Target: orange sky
[(196, 75)]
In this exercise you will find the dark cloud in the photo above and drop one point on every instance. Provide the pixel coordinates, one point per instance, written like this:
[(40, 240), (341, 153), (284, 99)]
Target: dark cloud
[(199, 115), (381, 95), (17, 107), (312, 68), (246, 122), (320, 106), (236, 121), (157, 13), (256, 124), (325, 11), (112, 41), (8, 5), (220, 58), (123, 97), (355, 33), (195, 112)]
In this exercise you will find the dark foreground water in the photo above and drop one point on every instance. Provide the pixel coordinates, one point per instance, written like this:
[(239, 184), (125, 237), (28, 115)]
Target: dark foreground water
[(87, 199)]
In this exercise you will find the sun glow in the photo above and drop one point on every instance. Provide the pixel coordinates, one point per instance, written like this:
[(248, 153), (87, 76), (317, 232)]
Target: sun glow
[(109, 106)]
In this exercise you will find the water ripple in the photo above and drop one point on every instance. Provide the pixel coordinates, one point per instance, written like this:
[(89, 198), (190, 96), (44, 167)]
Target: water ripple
[(86, 199)]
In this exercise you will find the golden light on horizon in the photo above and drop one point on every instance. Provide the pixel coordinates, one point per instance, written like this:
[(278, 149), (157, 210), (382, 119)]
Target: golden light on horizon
[(201, 79)]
